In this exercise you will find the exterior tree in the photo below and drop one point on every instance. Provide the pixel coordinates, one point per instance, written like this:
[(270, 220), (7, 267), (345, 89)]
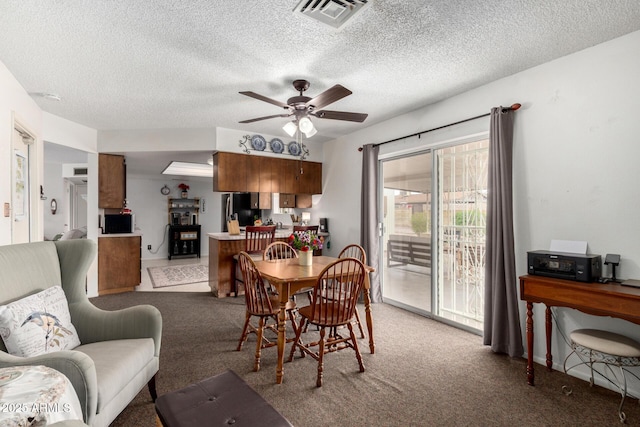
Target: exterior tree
[(419, 223)]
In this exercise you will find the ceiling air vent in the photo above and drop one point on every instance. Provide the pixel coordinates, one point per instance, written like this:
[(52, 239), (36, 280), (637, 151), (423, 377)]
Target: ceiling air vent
[(80, 171), (334, 13)]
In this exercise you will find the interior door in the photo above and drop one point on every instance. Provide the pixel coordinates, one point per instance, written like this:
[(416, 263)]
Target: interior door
[(79, 206)]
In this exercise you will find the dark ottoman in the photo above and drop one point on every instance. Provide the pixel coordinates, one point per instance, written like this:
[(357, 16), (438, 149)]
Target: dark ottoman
[(222, 400)]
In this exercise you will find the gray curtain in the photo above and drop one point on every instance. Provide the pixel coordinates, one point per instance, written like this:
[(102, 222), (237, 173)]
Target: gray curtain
[(501, 317), (369, 216)]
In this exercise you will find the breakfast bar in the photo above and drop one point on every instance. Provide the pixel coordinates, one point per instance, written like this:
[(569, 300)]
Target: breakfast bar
[(222, 248)]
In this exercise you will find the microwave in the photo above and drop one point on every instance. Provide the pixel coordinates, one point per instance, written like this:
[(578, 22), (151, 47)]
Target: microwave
[(119, 223)]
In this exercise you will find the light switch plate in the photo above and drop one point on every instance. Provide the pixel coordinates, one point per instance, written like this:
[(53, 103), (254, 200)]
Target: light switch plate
[(7, 208)]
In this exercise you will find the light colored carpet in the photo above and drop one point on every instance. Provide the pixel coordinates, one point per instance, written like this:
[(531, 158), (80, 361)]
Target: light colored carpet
[(178, 275)]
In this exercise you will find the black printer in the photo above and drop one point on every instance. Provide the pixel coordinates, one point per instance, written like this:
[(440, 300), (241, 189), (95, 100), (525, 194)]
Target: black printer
[(564, 265)]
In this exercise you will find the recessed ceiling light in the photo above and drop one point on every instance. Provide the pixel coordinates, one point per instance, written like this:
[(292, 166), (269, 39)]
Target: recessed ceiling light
[(188, 169)]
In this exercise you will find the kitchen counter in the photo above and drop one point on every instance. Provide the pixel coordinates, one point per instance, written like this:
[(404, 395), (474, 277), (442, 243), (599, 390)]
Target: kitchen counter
[(135, 233), (222, 248)]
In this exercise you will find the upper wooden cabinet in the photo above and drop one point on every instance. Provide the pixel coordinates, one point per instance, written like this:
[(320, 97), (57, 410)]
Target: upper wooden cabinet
[(310, 181), (229, 172), (112, 181), (261, 174), (253, 166)]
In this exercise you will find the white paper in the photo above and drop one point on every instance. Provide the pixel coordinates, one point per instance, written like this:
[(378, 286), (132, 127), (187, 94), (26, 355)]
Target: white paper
[(571, 246)]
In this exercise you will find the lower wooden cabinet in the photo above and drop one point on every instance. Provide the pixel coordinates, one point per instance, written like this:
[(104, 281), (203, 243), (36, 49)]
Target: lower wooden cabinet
[(119, 264)]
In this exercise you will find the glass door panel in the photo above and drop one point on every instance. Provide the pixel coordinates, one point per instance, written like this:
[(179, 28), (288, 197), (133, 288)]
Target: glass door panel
[(462, 207), (407, 238)]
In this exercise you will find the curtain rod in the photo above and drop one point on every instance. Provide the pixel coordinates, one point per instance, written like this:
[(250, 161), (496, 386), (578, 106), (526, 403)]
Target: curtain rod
[(513, 107)]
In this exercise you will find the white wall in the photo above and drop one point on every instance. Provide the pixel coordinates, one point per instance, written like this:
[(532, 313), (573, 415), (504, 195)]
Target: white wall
[(576, 171)]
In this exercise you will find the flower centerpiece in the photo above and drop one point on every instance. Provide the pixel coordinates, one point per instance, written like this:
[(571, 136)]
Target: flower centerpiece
[(185, 188), (305, 242)]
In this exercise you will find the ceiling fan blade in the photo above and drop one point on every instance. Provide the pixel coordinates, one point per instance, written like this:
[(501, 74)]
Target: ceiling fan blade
[(329, 96), (340, 115), (264, 118), (265, 99)]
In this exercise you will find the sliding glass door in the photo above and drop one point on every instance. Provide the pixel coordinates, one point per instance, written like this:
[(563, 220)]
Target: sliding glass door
[(434, 241)]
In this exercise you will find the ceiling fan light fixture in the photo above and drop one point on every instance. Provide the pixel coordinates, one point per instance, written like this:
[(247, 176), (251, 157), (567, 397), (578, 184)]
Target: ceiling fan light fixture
[(305, 125), (290, 128), (311, 132)]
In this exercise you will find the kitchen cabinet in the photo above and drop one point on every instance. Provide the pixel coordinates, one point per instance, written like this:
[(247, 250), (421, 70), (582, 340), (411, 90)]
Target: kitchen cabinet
[(267, 174), (277, 175), (290, 171), (261, 174), (112, 182), (303, 201), (184, 240), (287, 200), (261, 201), (229, 171), (119, 264), (253, 166), (310, 178)]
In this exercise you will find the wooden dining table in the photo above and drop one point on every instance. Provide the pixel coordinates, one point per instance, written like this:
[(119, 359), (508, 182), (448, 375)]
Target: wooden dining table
[(289, 277)]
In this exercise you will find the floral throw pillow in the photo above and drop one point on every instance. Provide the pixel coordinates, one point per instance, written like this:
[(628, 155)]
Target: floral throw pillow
[(38, 324)]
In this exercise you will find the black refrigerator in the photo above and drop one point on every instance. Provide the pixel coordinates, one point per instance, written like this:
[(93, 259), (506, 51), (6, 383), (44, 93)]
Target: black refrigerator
[(238, 205)]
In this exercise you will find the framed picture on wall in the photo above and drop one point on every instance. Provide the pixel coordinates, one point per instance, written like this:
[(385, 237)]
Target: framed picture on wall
[(20, 186)]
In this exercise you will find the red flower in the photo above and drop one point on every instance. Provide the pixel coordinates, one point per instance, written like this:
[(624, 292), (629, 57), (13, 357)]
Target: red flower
[(183, 187), (292, 238), (304, 249)]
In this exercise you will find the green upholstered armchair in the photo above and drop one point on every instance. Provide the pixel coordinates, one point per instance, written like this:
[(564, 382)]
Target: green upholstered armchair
[(119, 351)]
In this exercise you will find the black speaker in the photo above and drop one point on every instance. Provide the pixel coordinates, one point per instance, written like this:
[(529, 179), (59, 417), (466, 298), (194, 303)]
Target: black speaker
[(324, 225)]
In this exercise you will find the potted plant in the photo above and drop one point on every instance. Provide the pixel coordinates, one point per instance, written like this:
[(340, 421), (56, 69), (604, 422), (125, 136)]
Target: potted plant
[(305, 242), (184, 188)]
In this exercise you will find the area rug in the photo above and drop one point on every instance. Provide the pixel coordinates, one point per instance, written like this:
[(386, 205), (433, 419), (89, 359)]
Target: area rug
[(178, 275)]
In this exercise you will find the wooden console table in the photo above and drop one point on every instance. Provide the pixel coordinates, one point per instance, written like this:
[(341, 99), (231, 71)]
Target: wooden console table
[(611, 299)]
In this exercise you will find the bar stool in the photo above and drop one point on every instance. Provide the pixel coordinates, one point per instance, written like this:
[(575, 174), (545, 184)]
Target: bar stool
[(611, 349)]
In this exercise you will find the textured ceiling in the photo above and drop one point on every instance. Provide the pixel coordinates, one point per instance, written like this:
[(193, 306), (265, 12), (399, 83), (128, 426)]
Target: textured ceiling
[(123, 64)]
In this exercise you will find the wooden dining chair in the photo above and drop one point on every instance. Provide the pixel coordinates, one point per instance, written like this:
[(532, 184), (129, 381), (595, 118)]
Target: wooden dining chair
[(357, 252), (262, 304), (256, 239), (335, 296), (282, 250), (279, 250), (312, 228)]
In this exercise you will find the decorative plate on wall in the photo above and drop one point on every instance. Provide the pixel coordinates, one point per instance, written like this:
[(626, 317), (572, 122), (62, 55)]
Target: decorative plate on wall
[(277, 146), (258, 142), (294, 148)]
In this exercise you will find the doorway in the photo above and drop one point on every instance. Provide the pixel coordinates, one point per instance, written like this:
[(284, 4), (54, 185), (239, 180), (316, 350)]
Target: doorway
[(65, 180)]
